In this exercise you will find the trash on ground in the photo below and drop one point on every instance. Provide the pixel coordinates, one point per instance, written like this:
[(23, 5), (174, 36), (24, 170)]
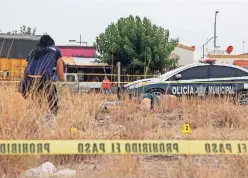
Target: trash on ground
[(48, 170)]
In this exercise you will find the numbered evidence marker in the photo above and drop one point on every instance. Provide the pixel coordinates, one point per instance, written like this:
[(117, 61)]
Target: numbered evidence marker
[(186, 129), (73, 131)]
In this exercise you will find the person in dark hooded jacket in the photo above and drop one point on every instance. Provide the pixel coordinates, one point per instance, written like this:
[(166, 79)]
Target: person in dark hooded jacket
[(38, 75)]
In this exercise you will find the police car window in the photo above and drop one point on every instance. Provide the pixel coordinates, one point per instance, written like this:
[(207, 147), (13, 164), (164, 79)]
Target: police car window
[(241, 73), (198, 72), (222, 72)]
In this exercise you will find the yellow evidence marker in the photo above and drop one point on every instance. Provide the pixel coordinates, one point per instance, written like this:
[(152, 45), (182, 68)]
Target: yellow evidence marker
[(186, 129), (74, 131)]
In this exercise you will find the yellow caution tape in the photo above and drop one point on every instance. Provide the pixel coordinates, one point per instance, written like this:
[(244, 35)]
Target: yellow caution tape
[(122, 75), (144, 83), (96, 74), (151, 147)]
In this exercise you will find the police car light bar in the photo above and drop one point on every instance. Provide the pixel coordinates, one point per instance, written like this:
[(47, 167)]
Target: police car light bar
[(209, 61)]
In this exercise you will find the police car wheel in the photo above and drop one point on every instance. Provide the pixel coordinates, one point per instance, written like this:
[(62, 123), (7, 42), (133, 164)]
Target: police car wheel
[(243, 98), (157, 92)]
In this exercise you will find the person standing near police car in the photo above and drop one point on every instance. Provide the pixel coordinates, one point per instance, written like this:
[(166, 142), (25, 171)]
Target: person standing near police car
[(38, 75), (106, 85)]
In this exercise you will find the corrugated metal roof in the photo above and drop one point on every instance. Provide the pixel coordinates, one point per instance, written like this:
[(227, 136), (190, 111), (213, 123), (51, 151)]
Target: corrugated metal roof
[(185, 47), (87, 61), (228, 56), (16, 48), (77, 61), (68, 61), (20, 36)]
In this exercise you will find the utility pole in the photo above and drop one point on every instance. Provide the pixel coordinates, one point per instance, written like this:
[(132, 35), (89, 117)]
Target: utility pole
[(112, 63), (216, 12), (119, 80)]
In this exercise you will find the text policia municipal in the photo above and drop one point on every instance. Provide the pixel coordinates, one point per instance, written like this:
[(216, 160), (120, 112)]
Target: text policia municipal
[(202, 90)]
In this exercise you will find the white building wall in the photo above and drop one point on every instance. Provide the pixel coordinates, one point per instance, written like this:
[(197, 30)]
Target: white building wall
[(185, 56)]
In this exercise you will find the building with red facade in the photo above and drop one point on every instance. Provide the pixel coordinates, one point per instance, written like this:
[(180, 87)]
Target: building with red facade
[(81, 59), (78, 51)]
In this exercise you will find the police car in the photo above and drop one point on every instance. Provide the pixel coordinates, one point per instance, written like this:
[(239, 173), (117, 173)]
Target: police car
[(199, 79)]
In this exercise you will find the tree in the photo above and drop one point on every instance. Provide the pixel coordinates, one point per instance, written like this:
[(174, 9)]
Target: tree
[(138, 44), (24, 30), (172, 62)]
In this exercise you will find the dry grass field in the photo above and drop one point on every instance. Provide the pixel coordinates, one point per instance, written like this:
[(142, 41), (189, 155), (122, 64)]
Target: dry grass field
[(209, 119)]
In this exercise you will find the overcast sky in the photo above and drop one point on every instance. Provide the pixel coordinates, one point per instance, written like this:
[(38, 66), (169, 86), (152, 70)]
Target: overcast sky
[(190, 20)]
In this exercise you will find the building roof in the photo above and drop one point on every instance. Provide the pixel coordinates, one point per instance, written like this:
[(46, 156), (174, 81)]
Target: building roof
[(225, 56), (76, 47), (242, 63), (19, 36), (68, 61), (185, 47), (77, 61), (16, 47)]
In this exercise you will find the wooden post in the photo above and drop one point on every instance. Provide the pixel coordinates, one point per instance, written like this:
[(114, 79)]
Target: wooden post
[(119, 79)]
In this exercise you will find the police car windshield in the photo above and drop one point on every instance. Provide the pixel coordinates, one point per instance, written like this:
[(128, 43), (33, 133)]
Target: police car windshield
[(171, 72)]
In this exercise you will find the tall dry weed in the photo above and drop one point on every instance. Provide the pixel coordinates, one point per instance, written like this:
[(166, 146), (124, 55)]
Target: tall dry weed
[(210, 119)]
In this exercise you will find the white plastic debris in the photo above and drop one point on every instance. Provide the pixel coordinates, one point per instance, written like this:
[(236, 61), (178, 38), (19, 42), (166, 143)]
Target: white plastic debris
[(105, 105), (67, 173), (88, 166), (48, 168), (34, 172), (45, 170)]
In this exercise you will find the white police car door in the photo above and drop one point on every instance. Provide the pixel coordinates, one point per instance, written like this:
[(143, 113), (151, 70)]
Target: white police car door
[(191, 81)]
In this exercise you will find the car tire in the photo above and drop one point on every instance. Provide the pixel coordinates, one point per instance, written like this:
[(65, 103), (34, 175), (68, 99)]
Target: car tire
[(157, 92), (242, 98)]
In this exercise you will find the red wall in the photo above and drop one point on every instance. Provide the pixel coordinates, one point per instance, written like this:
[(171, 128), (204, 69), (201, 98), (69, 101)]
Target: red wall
[(77, 52)]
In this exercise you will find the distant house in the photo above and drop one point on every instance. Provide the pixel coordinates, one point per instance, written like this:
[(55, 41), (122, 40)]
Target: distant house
[(239, 60), (223, 57), (74, 64), (81, 59), (185, 54), (86, 66)]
